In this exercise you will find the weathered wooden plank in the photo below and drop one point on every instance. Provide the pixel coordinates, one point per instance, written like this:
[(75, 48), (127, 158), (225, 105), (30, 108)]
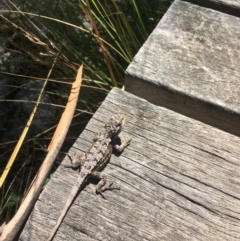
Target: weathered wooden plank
[(190, 64), (179, 180), (231, 7)]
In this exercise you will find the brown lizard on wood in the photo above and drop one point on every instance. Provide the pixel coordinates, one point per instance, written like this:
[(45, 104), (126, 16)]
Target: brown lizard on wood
[(93, 161)]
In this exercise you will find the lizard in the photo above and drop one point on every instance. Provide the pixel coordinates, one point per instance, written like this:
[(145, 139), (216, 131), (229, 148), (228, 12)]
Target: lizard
[(93, 161)]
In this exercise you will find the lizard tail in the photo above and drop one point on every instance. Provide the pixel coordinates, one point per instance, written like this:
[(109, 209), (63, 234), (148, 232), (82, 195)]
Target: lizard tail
[(59, 221), (68, 203)]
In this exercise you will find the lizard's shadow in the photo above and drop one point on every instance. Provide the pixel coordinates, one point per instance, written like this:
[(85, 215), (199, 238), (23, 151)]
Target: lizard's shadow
[(118, 142)]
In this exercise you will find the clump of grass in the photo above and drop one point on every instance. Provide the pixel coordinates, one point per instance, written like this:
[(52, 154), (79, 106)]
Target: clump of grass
[(61, 35)]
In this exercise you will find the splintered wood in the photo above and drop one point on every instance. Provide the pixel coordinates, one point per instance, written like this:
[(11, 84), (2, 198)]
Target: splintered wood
[(179, 180)]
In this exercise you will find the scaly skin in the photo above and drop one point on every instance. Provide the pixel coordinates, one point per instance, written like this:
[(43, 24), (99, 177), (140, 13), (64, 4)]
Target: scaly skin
[(93, 161)]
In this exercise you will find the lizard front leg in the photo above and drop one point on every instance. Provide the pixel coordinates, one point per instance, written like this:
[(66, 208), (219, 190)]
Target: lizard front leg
[(123, 145), (77, 160)]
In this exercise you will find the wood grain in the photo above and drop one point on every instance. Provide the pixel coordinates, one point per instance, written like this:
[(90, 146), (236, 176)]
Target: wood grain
[(190, 64), (231, 7), (179, 180)]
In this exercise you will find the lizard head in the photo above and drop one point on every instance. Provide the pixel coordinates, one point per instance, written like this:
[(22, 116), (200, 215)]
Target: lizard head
[(115, 124)]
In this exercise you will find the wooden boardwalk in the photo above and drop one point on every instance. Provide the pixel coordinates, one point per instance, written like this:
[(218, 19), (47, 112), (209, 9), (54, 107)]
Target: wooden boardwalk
[(180, 177), (191, 64), (179, 181)]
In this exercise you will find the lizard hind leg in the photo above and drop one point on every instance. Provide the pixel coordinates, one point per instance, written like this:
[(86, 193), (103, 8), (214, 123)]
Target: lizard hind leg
[(102, 186)]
